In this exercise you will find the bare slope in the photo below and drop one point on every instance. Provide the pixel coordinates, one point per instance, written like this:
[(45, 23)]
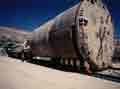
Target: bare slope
[(14, 34)]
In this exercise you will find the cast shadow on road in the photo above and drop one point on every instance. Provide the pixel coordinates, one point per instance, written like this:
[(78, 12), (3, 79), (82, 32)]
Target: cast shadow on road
[(68, 68)]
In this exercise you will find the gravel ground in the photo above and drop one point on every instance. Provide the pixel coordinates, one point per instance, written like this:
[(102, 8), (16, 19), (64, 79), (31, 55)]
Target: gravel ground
[(15, 74)]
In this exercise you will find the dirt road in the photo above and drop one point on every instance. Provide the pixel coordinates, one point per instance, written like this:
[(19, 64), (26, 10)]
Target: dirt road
[(15, 74)]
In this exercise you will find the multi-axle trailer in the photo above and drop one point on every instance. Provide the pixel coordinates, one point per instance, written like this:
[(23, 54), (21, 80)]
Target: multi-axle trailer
[(81, 36)]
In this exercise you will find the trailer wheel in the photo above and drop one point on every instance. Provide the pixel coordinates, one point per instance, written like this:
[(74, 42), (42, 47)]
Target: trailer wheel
[(22, 56)]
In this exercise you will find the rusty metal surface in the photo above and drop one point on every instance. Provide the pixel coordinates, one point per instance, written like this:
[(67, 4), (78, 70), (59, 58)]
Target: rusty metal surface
[(92, 37), (55, 36)]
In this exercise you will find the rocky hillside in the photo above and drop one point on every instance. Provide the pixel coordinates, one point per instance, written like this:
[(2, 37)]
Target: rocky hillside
[(117, 49), (14, 34)]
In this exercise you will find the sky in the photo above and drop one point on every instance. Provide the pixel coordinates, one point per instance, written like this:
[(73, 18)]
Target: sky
[(29, 14)]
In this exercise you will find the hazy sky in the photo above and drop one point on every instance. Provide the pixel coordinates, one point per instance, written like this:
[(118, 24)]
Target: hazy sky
[(29, 14)]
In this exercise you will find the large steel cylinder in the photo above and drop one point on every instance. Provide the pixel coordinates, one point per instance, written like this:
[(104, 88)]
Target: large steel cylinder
[(83, 31)]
